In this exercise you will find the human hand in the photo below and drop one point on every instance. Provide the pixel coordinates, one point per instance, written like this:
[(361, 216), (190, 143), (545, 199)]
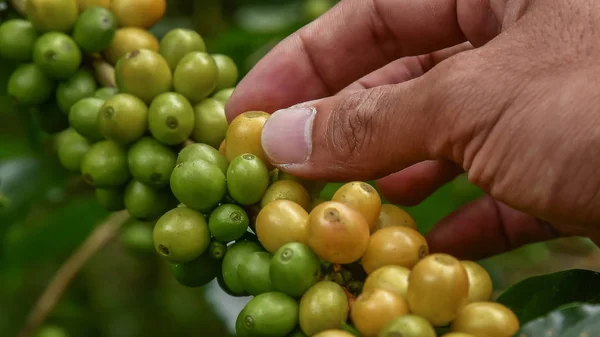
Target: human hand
[(415, 92)]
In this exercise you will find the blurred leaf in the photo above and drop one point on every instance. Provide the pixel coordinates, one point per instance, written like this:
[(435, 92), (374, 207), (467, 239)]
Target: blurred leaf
[(571, 321), (31, 125), (207, 16), (268, 18), (350, 329), (26, 180), (184, 303), (19, 182), (536, 253), (577, 246), (244, 3), (6, 69), (69, 310), (59, 233), (537, 296), (240, 45), (167, 23), (329, 190), (15, 8), (442, 202), (11, 146), (253, 58), (312, 9)]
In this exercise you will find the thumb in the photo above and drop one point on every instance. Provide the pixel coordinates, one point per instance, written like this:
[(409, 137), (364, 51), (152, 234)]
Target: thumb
[(362, 135)]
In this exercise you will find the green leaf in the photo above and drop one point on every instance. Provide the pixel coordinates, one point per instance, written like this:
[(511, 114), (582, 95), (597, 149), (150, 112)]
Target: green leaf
[(442, 330), (59, 233), (19, 184), (350, 329), (240, 44), (268, 18), (13, 146), (539, 295), (167, 23), (572, 321)]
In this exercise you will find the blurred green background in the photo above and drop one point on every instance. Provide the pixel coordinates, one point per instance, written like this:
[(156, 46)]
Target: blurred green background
[(46, 212)]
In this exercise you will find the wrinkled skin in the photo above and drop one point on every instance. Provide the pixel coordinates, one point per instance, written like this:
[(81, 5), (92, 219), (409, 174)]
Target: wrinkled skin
[(414, 92)]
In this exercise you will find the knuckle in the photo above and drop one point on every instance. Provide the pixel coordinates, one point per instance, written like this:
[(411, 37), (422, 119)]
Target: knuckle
[(457, 72), (464, 89), (352, 126), (453, 85)]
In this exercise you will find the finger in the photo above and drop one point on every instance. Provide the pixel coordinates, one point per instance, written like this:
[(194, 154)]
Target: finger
[(486, 227), (405, 69), (372, 133), (414, 184), (352, 39), (339, 138)]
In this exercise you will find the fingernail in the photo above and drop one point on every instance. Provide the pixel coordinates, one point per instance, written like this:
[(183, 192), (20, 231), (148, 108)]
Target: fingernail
[(287, 135)]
